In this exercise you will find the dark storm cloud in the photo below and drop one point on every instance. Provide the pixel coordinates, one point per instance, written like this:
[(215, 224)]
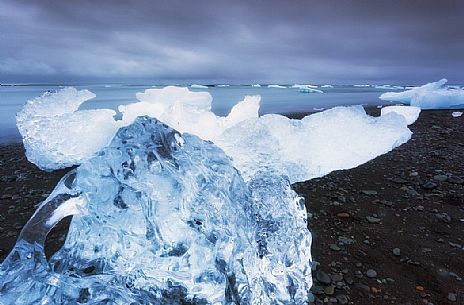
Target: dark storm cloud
[(337, 41)]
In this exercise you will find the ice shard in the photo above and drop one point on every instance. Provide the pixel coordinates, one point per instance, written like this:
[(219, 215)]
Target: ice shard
[(164, 218)]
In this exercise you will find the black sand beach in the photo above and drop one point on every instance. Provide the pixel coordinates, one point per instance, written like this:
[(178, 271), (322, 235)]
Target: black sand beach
[(387, 232)]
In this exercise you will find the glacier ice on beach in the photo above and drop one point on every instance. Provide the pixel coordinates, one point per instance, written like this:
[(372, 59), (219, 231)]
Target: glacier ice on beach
[(164, 218), (456, 114), (410, 113), (338, 138), (188, 111), (56, 135), (429, 96)]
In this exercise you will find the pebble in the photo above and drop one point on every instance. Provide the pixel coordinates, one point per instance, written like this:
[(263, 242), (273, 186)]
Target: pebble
[(334, 247), (336, 277), (455, 180), (343, 215), (452, 297), (329, 290), (323, 277), (396, 252), (342, 299), (430, 185), (440, 178), (369, 192), (371, 273), (372, 219)]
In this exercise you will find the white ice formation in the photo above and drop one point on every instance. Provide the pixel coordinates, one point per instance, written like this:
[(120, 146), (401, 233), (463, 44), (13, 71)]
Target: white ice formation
[(162, 217), (410, 113), (307, 88), (456, 114), (429, 96), (196, 86), (339, 138), (277, 86), (56, 135)]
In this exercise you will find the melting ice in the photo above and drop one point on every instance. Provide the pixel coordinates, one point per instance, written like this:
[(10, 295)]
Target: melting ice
[(167, 217), (162, 218), (429, 96)]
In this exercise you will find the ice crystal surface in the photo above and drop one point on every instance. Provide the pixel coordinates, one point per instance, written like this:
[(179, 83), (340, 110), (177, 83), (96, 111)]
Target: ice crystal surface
[(163, 218)]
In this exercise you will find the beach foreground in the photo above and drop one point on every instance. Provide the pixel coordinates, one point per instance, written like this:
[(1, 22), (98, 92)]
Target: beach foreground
[(387, 232)]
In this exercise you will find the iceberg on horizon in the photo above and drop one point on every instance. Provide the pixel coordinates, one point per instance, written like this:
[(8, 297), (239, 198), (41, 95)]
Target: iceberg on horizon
[(196, 86), (164, 218), (433, 95), (277, 86)]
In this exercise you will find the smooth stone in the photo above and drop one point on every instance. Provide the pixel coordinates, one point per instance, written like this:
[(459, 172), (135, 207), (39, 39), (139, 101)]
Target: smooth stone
[(329, 290), (440, 178), (342, 299), (371, 273), (452, 297), (323, 277), (455, 180), (396, 252), (334, 247), (369, 192), (372, 219)]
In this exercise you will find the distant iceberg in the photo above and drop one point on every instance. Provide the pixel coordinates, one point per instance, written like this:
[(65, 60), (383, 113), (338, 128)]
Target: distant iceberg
[(429, 96), (327, 86), (277, 86), (195, 86), (256, 85), (389, 87), (307, 88), (223, 85)]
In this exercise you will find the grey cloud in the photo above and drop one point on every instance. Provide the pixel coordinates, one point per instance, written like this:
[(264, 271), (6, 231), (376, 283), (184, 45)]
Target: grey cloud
[(239, 42)]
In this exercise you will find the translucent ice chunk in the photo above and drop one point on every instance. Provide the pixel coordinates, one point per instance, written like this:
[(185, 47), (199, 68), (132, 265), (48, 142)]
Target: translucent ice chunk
[(410, 113), (55, 135), (429, 96), (338, 138), (188, 111), (161, 218)]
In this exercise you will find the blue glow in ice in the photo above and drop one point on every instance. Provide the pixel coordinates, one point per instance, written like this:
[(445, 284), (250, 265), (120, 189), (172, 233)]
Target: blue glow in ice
[(164, 218)]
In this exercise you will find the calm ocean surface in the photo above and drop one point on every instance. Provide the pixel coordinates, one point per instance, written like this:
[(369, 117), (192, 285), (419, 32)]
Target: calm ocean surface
[(273, 100)]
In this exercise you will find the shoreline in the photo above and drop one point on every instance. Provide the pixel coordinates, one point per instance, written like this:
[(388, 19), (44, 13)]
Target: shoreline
[(358, 217)]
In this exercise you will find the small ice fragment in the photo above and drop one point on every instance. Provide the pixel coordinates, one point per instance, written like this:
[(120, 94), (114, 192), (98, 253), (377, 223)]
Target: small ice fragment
[(456, 114), (410, 113), (256, 85)]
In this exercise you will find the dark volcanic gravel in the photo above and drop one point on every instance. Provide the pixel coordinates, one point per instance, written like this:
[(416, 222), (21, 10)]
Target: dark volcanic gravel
[(387, 232), (398, 221)]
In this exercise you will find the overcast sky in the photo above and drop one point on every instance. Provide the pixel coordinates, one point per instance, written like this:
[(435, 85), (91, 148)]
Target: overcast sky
[(326, 41)]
